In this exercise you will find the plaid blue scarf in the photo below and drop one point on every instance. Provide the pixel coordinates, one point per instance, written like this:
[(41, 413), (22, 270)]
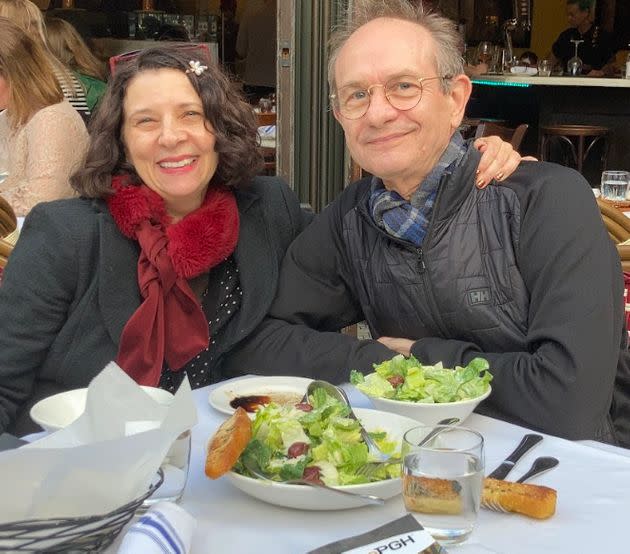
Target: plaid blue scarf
[(409, 220)]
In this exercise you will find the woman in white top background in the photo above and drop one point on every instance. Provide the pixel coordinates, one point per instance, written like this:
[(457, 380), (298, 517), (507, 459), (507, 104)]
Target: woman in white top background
[(29, 18), (42, 137)]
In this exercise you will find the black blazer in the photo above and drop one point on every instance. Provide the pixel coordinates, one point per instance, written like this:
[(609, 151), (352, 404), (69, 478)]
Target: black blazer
[(71, 285)]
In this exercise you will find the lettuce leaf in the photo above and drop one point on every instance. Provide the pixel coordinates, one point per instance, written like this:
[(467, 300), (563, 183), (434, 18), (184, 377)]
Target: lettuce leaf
[(424, 383)]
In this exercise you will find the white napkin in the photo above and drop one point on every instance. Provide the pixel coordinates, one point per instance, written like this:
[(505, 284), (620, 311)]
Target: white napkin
[(166, 528)]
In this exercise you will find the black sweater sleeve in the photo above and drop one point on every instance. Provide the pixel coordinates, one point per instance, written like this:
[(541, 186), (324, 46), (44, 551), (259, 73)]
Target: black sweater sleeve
[(563, 383), (314, 300)]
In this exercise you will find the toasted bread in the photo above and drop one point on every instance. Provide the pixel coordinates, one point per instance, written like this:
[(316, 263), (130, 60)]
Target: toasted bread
[(228, 443), (531, 500), (432, 495)]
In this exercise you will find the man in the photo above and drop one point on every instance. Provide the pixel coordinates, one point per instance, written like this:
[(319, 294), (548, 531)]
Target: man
[(597, 49), (256, 46), (522, 274)]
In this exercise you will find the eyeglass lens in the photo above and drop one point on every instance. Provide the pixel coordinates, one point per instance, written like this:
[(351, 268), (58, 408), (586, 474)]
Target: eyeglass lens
[(403, 93)]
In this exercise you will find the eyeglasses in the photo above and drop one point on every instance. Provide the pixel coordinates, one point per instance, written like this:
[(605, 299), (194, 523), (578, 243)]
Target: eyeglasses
[(196, 50), (403, 93)]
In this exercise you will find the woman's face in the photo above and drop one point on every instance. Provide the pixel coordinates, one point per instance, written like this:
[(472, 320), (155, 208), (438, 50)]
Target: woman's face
[(168, 139), (5, 92)]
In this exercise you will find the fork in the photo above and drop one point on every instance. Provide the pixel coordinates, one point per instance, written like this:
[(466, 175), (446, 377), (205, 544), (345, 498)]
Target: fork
[(540, 465), (369, 469), (338, 393), (366, 498)]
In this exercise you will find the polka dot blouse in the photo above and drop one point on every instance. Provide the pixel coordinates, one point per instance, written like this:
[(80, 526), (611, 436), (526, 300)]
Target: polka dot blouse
[(220, 300)]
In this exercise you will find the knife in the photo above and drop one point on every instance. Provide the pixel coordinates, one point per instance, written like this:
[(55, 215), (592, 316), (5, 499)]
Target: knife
[(526, 444)]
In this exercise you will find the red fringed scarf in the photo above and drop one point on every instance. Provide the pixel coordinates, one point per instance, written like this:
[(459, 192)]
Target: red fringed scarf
[(169, 324)]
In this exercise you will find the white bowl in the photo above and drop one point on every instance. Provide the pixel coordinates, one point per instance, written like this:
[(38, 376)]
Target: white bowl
[(429, 414), (313, 498), (60, 410)]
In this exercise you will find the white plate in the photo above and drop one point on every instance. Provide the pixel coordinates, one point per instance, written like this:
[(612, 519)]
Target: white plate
[(221, 397), (312, 498)]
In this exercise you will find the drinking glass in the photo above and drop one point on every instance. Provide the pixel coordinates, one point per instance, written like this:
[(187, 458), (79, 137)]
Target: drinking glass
[(175, 466), (442, 479), (574, 65), (484, 52), (615, 185), (544, 67)]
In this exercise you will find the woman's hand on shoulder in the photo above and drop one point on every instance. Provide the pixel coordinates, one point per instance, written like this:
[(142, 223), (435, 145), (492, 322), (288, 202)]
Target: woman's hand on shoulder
[(498, 160)]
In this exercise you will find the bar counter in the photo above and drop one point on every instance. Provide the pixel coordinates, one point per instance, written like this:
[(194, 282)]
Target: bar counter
[(558, 100), (556, 81)]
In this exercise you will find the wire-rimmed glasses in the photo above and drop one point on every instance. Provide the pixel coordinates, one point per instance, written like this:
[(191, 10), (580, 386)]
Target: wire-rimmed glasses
[(403, 93)]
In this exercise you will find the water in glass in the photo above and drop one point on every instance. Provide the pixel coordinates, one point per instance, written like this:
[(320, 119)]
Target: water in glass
[(175, 467), (615, 185), (442, 481)]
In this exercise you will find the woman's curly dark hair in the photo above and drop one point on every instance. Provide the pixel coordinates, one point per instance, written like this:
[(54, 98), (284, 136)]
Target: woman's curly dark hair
[(229, 114)]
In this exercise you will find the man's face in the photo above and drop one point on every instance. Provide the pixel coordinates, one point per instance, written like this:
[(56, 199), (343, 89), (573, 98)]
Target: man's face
[(400, 147), (576, 16)]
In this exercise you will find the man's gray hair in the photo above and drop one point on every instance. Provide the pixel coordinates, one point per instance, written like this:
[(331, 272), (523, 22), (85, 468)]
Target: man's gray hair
[(448, 42)]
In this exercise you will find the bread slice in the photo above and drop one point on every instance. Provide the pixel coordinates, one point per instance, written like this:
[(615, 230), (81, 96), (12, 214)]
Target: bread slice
[(228, 443), (431, 495), (530, 500)]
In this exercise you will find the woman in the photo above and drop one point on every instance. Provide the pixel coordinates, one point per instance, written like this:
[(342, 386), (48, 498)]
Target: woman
[(44, 138), (597, 49), (170, 258), (67, 45), (27, 16)]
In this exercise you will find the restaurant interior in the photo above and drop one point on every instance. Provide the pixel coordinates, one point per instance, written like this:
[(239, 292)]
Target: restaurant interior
[(496, 32)]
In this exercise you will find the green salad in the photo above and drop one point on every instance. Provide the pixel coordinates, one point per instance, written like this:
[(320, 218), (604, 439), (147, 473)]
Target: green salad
[(314, 441), (407, 379)]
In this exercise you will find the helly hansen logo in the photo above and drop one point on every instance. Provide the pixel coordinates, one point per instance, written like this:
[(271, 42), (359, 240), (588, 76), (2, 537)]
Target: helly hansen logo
[(479, 296)]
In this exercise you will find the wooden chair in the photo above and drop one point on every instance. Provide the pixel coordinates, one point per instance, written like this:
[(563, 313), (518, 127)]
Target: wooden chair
[(8, 221), (266, 118), (512, 135), (586, 137), (618, 227), (6, 248), (8, 233)]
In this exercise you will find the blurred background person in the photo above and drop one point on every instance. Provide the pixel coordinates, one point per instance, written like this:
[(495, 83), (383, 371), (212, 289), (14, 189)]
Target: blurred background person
[(68, 47), (45, 138), (29, 18), (256, 48), (596, 52), (475, 70), (173, 33)]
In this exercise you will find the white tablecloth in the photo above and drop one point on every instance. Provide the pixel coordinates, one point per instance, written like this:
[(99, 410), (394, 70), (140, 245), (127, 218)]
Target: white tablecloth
[(593, 512)]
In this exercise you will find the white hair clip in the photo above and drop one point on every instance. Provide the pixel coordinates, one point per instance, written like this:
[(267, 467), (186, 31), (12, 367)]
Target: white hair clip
[(196, 67)]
